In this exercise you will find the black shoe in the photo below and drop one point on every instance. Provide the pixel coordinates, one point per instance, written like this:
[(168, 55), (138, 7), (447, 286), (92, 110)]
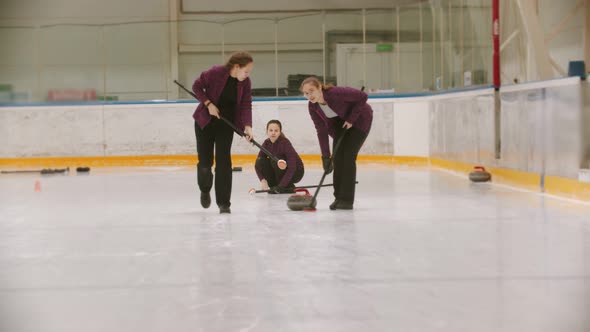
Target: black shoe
[(205, 200), (341, 205), (333, 205), (224, 209)]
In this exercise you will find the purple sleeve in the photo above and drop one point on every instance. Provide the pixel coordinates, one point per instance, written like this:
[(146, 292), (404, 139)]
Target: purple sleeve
[(357, 98), (200, 86), (291, 156), (321, 130), (246, 104)]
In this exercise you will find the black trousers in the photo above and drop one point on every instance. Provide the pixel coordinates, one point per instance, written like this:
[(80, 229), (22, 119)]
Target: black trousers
[(273, 174), (344, 160), (216, 137)]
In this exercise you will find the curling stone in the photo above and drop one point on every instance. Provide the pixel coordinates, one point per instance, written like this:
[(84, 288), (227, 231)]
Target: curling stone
[(479, 174), (300, 202)]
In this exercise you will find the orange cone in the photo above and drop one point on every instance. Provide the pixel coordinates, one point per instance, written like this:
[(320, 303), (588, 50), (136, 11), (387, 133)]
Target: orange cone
[(37, 186)]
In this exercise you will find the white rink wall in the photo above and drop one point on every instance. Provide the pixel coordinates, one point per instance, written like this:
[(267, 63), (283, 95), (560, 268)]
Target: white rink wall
[(543, 126), (168, 129)]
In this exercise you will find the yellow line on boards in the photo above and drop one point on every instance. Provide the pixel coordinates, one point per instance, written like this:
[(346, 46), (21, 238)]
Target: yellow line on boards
[(558, 186)]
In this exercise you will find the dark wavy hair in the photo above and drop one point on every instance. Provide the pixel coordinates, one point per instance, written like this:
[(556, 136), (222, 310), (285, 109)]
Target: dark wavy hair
[(241, 59)]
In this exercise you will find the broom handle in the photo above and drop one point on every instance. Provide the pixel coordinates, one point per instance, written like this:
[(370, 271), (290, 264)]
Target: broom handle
[(236, 129), (315, 195), (42, 171), (301, 187)]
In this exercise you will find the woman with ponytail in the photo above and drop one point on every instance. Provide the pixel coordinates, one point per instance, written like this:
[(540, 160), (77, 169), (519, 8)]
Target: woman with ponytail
[(337, 111), (271, 177)]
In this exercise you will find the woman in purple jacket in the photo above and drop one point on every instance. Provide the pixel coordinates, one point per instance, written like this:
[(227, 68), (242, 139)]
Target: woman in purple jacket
[(336, 111), (270, 175), (222, 91)]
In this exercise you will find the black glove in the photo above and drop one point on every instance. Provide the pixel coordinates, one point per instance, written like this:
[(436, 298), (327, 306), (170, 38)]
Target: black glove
[(277, 190), (327, 163), (280, 190)]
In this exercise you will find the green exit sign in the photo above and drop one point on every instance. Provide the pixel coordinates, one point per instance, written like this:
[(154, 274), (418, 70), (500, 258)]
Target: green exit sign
[(384, 47)]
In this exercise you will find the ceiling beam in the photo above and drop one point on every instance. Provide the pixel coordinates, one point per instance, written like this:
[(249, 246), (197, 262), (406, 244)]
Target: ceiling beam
[(536, 40)]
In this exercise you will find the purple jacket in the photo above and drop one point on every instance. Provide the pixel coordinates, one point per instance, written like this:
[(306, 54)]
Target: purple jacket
[(283, 149), (350, 105), (209, 87)]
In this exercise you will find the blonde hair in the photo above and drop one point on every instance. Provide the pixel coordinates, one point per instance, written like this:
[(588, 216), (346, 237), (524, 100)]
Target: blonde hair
[(315, 82)]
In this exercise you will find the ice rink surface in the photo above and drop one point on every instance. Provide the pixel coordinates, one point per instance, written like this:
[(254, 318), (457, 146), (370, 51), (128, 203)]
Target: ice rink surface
[(131, 250)]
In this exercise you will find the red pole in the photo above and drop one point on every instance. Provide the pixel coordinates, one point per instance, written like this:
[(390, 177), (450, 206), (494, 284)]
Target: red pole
[(496, 36)]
